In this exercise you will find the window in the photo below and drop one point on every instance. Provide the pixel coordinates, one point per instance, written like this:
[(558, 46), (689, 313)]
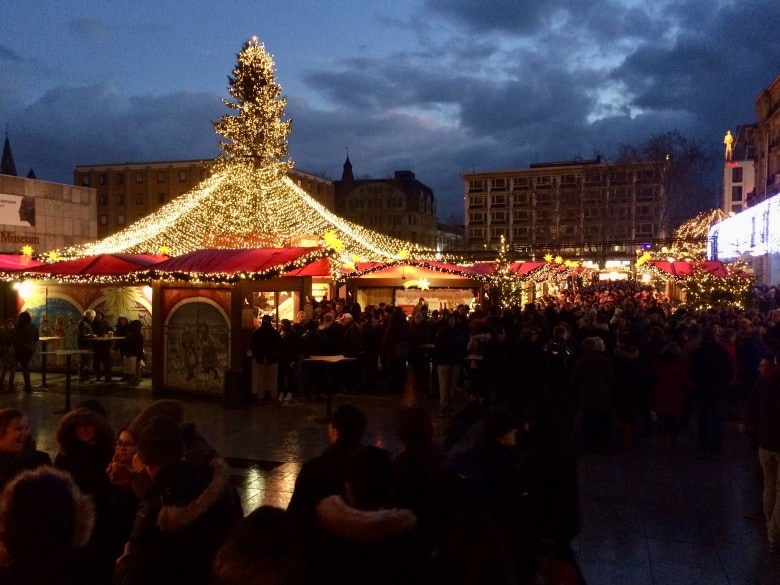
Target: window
[(568, 230), (498, 216), (497, 232), (139, 177), (102, 179), (736, 193), (204, 174), (85, 180), (160, 176), (476, 217), (139, 199), (120, 198), (161, 198), (477, 185), (618, 177), (521, 232), (736, 208), (120, 219), (182, 176), (520, 215), (520, 198), (736, 175), (412, 220), (498, 184), (645, 229), (646, 193), (103, 220), (120, 178), (593, 178), (476, 232), (643, 211), (544, 182), (477, 201), (498, 200), (103, 199), (569, 179), (520, 183)]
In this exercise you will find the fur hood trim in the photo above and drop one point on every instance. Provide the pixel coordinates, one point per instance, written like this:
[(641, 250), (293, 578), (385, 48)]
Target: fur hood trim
[(172, 518), (82, 504), (66, 430), (349, 523)]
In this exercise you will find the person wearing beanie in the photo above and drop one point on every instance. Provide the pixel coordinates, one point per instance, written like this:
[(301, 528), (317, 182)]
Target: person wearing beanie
[(45, 527), (184, 515)]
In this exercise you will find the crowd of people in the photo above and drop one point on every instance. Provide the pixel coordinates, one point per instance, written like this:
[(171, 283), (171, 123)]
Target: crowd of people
[(152, 503)]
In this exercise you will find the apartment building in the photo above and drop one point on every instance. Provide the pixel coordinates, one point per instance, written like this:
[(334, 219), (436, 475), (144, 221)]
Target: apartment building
[(568, 207)]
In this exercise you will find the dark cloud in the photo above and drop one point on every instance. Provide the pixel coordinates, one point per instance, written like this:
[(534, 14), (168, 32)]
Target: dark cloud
[(8, 55), (93, 125)]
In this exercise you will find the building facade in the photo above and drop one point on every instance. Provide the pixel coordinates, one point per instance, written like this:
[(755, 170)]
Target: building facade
[(739, 171), (128, 192), (575, 207), (401, 207), (767, 141), (44, 216)]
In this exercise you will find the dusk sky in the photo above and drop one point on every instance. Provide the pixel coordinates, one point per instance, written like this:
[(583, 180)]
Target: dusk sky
[(437, 87)]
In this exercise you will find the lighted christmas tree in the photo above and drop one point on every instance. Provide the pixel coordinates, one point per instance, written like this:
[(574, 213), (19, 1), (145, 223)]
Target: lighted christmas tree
[(249, 201), (704, 290), (257, 134), (505, 287)]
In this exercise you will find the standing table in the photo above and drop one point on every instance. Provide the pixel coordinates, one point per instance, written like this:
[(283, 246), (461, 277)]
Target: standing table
[(44, 343), (104, 339), (328, 359), (68, 353)]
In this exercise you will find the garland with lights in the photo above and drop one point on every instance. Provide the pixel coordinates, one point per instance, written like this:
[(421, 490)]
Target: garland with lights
[(420, 263)]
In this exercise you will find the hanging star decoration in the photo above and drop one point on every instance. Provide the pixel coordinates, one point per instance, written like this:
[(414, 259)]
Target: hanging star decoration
[(27, 250)]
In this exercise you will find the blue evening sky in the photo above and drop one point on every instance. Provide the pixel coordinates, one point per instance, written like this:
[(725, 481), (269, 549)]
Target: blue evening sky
[(438, 87)]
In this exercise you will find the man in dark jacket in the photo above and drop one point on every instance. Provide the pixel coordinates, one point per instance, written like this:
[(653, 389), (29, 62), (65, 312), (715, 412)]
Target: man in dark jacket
[(324, 475), (184, 515), (450, 349), (85, 335), (711, 372), (266, 346)]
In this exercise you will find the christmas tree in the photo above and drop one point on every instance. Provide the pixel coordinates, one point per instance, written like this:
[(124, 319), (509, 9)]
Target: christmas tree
[(249, 201), (257, 134), (505, 287)]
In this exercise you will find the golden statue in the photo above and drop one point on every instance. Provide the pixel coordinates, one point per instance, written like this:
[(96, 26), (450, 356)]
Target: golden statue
[(728, 140)]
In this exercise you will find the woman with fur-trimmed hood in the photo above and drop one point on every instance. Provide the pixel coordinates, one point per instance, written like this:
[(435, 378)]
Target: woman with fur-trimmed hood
[(45, 525), (184, 515)]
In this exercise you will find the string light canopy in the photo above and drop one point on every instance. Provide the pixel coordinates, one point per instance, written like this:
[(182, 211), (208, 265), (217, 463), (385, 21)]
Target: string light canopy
[(249, 201)]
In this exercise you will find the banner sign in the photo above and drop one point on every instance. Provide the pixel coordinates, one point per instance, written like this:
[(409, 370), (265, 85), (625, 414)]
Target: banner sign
[(17, 210)]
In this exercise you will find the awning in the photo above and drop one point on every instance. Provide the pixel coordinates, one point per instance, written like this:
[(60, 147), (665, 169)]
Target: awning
[(17, 262), (101, 265)]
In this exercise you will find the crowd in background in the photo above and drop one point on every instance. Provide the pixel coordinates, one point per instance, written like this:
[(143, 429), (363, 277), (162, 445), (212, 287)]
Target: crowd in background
[(545, 381)]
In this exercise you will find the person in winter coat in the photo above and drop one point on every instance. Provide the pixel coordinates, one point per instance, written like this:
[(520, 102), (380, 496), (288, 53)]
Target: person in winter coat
[(593, 378), (84, 337), (266, 346), (711, 372), (626, 390), (764, 410), (360, 538), (134, 352), (668, 394), (450, 348), (183, 517), (45, 526), (17, 447), (8, 360), (86, 446), (101, 351), (25, 345), (289, 350)]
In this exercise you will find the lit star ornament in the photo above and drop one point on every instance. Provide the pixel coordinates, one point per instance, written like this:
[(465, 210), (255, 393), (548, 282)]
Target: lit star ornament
[(27, 250)]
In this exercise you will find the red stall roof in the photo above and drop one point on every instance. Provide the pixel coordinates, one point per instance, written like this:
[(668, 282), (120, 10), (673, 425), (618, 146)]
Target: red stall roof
[(17, 262), (246, 261), (99, 265)]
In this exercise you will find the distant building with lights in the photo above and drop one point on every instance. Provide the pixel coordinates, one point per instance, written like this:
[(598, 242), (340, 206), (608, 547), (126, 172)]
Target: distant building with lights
[(582, 207), (767, 141), (739, 173), (127, 192), (401, 206), (39, 214)]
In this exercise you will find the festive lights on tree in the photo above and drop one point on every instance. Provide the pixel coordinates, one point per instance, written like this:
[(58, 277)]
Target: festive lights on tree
[(249, 201), (704, 290), (505, 288)]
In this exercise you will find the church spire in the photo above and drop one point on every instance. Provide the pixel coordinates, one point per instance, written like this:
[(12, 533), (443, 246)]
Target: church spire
[(346, 174), (7, 165)]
